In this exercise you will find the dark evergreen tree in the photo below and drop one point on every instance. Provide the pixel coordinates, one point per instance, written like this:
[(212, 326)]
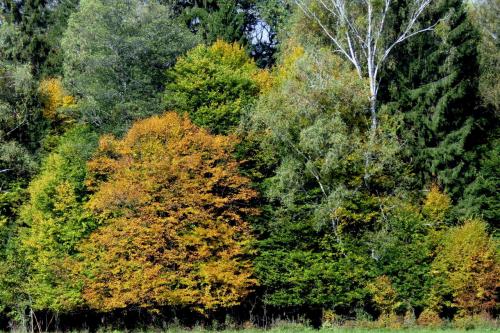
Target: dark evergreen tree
[(31, 32), (216, 19), (480, 197), (435, 86), (57, 21), (251, 23), (24, 32)]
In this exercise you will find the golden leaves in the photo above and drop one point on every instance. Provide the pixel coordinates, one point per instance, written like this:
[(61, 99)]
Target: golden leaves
[(469, 263), (55, 98), (173, 207), (436, 204)]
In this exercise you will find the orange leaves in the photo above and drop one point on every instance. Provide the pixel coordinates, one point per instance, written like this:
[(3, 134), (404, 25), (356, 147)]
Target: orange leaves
[(172, 206)]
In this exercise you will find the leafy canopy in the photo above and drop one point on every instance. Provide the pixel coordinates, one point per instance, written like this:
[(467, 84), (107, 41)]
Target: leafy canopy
[(173, 209), (115, 56), (56, 221), (214, 84)]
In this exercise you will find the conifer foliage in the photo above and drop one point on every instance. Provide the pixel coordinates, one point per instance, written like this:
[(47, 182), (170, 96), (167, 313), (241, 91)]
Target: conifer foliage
[(435, 87)]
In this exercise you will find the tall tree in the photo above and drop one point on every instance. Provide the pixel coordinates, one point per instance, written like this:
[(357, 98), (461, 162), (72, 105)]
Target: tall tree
[(312, 121), (358, 31), (23, 31), (434, 84), (116, 54), (54, 221), (479, 197)]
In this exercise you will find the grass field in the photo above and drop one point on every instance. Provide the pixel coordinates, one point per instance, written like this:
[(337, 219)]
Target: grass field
[(344, 330), (299, 329)]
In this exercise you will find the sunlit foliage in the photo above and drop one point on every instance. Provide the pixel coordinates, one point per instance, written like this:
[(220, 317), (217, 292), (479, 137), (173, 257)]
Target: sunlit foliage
[(466, 270), (172, 207), (55, 97), (56, 221), (214, 84), (437, 204)]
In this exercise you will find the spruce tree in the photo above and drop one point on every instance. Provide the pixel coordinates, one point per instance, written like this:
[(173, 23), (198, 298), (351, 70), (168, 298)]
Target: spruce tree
[(435, 86), (23, 33), (31, 31), (216, 19)]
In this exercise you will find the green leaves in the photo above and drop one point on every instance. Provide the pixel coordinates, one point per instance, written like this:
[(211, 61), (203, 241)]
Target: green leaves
[(213, 85), (311, 121), (116, 54), (57, 221)]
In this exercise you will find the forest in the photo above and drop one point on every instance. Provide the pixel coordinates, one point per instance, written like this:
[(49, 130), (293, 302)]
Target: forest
[(230, 164)]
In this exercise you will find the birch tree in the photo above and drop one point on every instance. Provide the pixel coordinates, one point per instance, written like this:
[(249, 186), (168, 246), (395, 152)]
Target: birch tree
[(357, 30)]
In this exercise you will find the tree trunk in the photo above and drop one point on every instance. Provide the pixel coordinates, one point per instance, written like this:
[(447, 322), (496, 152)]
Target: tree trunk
[(371, 139), (373, 114)]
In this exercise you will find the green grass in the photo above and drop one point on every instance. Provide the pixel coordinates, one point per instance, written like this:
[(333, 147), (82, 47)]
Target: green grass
[(299, 329), (342, 330)]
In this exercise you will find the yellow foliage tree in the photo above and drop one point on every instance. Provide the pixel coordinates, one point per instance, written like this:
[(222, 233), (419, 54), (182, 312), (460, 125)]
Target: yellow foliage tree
[(55, 97), (172, 207), (55, 221), (436, 204), (466, 269), (383, 294)]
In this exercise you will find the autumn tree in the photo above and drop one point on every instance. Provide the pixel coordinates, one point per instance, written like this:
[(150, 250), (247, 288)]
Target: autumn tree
[(172, 207), (54, 221), (56, 101), (466, 270)]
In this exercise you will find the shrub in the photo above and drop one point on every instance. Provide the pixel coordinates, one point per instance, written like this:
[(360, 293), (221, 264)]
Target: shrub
[(429, 318)]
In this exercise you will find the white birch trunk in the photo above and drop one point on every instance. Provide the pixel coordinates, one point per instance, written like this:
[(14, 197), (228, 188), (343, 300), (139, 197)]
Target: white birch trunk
[(362, 43)]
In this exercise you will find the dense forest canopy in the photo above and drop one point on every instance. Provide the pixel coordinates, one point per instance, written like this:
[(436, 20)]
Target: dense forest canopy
[(247, 159)]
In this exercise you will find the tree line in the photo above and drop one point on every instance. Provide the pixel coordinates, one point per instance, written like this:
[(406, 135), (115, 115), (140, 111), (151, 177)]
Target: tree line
[(244, 156)]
